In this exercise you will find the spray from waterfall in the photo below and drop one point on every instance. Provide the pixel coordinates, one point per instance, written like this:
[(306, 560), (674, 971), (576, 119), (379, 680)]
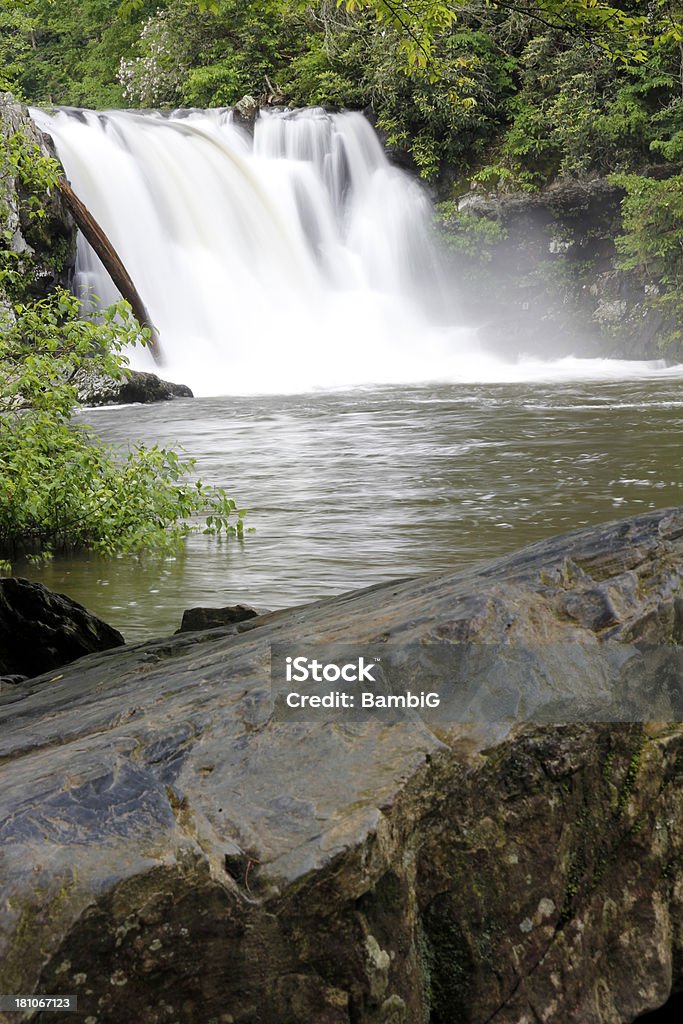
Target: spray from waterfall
[(293, 260)]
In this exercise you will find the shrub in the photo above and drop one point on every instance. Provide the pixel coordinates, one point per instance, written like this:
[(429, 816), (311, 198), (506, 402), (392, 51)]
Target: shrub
[(61, 488)]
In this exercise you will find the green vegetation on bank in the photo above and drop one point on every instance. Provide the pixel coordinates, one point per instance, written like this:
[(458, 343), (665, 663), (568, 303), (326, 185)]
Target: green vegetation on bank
[(60, 487)]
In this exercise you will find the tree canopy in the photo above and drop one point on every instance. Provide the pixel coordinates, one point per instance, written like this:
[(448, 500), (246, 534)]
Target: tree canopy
[(625, 32)]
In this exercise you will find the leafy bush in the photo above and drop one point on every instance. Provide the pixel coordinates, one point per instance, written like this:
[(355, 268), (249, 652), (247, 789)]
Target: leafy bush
[(329, 71), (576, 114), (66, 53), (60, 487)]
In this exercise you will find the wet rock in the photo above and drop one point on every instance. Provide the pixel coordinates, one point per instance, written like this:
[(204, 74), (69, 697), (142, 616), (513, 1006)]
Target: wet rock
[(211, 618), (45, 245), (9, 684), (245, 112), (172, 851), (97, 389), (41, 630), (547, 283)]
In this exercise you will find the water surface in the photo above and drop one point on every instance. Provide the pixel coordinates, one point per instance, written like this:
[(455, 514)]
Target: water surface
[(348, 489)]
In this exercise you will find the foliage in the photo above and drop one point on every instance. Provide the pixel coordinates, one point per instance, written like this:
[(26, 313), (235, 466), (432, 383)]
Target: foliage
[(16, 27), (574, 114), (67, 53), (60, 487), (27, 178), (35, 174), (475, 236), (456, 119), (329, 68), (652, 243), (627, 35), (210, 57)]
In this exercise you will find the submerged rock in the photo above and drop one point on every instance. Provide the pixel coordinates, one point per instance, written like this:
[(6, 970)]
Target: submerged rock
[(41, 630), (172, 850), (97, 389)]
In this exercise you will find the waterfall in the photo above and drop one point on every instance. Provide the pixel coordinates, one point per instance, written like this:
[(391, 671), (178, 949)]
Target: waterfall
[(296, 259)]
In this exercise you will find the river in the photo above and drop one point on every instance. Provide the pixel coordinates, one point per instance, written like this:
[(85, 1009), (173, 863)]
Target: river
[(349, 488)]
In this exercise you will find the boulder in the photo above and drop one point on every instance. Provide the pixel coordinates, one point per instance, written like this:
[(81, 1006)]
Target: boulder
[(211, 618), (173, 849), (245, 112), (41, 630), (95, 388)]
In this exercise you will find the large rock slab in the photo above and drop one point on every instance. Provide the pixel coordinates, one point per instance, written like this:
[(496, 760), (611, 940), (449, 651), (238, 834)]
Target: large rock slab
[(171, 851)]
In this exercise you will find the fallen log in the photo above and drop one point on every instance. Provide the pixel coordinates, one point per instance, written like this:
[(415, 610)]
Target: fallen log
[(111, 261)]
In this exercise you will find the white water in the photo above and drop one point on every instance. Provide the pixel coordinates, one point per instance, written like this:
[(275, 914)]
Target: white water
[(300, 260)]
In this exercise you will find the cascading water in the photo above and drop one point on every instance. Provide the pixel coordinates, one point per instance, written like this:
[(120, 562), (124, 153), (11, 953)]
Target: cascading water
[(296, 260)]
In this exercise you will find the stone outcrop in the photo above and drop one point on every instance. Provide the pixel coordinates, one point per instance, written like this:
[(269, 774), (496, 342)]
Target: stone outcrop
[(171, 850), (44, 245), (245, 112), (41, 630), (97, 389), (545, 276)]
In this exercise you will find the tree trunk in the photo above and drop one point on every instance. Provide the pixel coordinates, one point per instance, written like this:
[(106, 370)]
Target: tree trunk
[(111, 261)]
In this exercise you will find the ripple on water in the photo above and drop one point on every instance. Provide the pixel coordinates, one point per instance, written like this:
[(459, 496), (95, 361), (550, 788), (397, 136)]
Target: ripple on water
[(347, 489)]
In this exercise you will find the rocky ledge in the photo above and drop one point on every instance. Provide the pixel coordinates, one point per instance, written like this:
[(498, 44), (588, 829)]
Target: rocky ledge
[(546, 278), (98, 389), (44, 246), (171, 850)]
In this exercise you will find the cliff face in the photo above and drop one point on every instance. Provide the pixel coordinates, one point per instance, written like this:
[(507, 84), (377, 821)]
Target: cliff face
[(542, 274), (35, 225), (171, 849)]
